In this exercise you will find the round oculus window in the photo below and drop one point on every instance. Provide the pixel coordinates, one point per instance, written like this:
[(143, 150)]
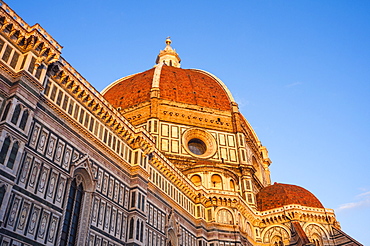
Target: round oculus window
[(199, 143), (197, 146)]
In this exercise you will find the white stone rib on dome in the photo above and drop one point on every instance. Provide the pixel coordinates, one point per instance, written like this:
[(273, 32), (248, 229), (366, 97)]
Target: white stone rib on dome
[(116, 82), (219, 81)]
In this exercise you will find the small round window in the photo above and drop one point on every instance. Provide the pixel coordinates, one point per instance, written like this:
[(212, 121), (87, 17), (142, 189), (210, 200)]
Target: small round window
[(199, 143), (197, 146)]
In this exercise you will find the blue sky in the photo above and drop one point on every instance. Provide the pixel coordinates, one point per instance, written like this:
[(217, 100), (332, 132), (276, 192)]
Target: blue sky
[(299, 71)]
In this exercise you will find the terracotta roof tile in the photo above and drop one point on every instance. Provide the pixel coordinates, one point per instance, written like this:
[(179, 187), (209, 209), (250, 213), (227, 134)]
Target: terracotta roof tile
[(132, 91), (278, 195), (176, 84)]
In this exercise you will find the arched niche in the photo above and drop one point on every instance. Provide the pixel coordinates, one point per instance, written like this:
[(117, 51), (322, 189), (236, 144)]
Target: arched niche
[(196, 179), (216, 182), (224, 216)]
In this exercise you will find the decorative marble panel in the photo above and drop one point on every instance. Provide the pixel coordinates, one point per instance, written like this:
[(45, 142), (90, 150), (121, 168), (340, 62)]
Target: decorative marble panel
[(223, 152), (51, 147), (126, 197), (175, 146), (91, 239), (34, 136), (34, 175), (27, 164), (165, 130), (231, 140), (113, 221), (59, 152), (76, 155), (67, 157), (43, 179), (52, 230), (42, 141), (116, 191), (107, 218), (124, 221), (222, 139), (101, 215), (121, 194), (105, 183), (23, 215), (175, 132), (119, 224), (35, 214), (111, 187), (164, 144), (43, 225), (94, 215), (52, 186), (232, 155), (100, 177), (60, 190)]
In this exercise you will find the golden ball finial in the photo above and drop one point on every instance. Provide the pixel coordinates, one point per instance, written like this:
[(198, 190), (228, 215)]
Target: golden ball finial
[(168, 40)]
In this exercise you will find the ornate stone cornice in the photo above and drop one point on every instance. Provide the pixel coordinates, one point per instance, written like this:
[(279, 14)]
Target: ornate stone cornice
[(28, 38)]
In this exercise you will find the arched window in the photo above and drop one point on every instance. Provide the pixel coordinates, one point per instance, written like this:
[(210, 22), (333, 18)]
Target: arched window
[(224, 216), (232, 185), (24, 119), (4, 150), (141, 231), (196, 179), (137, 230), (216, 181), (16, 113), (248, 229), (277, 241), (131, 229), (13, 155), (316, 239), (6, 111), (2, 194), (72, 214)]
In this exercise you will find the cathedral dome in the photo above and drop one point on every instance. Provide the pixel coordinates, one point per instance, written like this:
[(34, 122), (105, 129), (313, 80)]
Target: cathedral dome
[(167, 81), (278, 195), (189, 86)]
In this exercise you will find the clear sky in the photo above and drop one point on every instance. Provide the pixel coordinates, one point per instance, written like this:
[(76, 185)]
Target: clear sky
[(299, 70)]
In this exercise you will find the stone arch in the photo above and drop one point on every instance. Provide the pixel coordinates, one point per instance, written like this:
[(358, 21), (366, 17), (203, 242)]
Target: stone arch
[(172, 239), (6, 110), (84, 169), (225, 216), (16, 113), (232, 185), (240, 221), (24, 119), (83, 175), (10, 150), (216, 181), (172, 230), (275, 231), (4, 198), (315, 231), (316, 239), (276, 241), (196, 179), (248, 229)]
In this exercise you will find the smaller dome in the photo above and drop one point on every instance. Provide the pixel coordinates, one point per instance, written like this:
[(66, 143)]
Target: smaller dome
[(278, 195)]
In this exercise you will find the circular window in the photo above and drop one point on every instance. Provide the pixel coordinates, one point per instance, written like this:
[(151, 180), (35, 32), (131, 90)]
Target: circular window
[(199, 143), (197, 146)]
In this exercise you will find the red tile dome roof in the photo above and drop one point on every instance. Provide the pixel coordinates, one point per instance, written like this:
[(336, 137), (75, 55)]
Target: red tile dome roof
[(278, 195), (189, 86)]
